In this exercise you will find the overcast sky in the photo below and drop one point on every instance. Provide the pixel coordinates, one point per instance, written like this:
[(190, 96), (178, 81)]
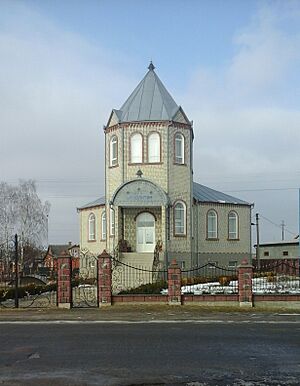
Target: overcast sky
[(232, 65)]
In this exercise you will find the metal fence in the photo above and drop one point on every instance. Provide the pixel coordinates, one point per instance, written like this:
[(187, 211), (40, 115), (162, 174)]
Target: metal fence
[(84, 282), (31, 296), (278, 278), (209, 279), (137, 279)]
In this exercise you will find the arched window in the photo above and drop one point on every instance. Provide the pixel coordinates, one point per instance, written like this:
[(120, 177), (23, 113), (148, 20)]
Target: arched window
[(212, 224), (92, 227), (179, 148), (103, 226), (180, 219), (154, 147), (136, 148), (233, 225), (112, 222), (113, 151)]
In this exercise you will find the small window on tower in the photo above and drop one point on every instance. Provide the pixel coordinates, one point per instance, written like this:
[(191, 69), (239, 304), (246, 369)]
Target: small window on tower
[(113, 151)]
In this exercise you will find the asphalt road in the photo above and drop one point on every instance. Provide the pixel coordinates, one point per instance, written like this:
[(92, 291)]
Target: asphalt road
[(170, 353)]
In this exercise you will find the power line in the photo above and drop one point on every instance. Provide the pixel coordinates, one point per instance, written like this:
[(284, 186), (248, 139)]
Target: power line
[(277, 225)]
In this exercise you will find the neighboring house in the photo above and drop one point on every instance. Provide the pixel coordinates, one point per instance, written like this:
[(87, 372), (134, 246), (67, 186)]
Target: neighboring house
[(281, 255), (54, 251), (279, 250), (151, 201)]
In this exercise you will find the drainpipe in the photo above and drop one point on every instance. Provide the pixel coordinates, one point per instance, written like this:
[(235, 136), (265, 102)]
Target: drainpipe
[(111, 207)]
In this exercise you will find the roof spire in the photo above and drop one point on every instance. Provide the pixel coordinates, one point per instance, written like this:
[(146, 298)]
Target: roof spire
[(151, 66)]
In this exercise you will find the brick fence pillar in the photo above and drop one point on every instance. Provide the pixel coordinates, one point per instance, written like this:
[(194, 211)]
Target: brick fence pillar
[(245, 275), (64, 287), (174, 284), (104, 279)]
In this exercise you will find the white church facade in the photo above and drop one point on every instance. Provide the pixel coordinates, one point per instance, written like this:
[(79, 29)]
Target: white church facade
[(151, 202)]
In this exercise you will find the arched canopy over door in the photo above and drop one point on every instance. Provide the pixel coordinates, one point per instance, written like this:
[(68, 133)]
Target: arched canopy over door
[(139, 193), (145, 232)]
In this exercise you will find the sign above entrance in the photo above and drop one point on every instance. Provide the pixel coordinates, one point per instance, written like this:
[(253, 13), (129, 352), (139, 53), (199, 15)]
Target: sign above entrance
[(139, 193)]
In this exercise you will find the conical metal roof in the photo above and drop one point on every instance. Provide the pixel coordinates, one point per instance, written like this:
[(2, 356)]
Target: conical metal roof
[(150, 101)]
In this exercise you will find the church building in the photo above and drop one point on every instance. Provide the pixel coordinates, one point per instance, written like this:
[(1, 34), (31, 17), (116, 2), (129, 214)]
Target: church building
[(151, 203)]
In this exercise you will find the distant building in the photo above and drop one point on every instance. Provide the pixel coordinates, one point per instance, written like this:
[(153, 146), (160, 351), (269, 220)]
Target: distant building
[(49, 264), (279, 250), (151, 201)]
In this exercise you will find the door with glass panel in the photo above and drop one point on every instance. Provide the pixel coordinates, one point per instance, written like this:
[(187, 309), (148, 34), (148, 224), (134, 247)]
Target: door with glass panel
[(145, 232)]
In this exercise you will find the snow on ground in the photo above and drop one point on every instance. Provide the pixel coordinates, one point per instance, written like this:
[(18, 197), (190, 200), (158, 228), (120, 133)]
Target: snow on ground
[(260, 286)]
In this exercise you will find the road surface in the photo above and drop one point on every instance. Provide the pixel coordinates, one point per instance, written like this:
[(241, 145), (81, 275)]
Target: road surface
[(150, 353)]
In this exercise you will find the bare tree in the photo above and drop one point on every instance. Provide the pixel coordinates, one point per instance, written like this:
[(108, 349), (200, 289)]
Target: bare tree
[(22, 212)]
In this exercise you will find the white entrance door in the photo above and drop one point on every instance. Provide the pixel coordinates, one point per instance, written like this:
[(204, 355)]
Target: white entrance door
[(145, 232)]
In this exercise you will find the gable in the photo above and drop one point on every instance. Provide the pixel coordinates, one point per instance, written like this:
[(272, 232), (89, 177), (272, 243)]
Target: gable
[(113, 119), (181, 117)]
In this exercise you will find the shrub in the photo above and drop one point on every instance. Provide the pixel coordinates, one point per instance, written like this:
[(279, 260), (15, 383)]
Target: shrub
[(224, 280), (150, 288)]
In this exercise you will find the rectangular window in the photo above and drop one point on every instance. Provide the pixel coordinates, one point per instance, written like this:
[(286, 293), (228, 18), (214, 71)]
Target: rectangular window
[(232, 264), (266, 253), (112, 222), (285, 253), (178, 151)]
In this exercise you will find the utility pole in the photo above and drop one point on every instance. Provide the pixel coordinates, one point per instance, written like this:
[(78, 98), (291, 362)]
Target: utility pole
[(16, 272), (257, 242), (282, 230)]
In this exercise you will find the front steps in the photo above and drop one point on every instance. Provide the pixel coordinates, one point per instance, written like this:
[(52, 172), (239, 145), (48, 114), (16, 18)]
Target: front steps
[(133, 271)]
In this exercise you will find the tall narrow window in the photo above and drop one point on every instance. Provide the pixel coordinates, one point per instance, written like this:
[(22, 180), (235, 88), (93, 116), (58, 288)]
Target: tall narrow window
[(114, 151), (136, 148), (233, 226), (92, 227), (212, 224), (180, 218), (154, 147), (112, 222), (103, 226), (179, 148)]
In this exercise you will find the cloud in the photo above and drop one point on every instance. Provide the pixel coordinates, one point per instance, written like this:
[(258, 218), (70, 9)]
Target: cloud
[(246, 114)]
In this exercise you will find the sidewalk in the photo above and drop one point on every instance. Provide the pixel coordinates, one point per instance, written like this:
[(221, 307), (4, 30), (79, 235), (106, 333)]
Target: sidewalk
[(148, 313)]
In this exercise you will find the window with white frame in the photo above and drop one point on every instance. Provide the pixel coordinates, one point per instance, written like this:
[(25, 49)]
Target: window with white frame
[(180, 218), (212, 224), (233, 222), (92, 227), (114, 151), (154, 147), (136, 148), (179, 148), (103, 226), (112, 222)]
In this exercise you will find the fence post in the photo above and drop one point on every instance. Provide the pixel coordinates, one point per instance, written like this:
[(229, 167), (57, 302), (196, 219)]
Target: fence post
[(174, 284), (245, 275), (104, 279), (64, 285)]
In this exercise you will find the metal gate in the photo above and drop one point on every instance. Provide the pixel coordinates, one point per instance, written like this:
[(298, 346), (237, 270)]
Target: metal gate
[(85, 282)]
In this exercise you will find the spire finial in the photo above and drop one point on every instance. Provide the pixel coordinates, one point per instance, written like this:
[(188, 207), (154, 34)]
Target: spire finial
[(151, 66)]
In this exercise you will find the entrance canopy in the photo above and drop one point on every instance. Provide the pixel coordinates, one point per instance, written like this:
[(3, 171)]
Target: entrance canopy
[(139, 193)]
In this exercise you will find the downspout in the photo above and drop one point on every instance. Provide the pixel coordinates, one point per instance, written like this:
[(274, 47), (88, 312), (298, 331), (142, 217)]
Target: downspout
[(192, 224), (105, 188), (167, 208), (250, 256)]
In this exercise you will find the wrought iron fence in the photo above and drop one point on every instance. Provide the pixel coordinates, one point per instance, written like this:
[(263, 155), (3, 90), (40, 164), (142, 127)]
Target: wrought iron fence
[(30, 296), (137, 279), (209, 279), (276, 278), (84, 281)]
